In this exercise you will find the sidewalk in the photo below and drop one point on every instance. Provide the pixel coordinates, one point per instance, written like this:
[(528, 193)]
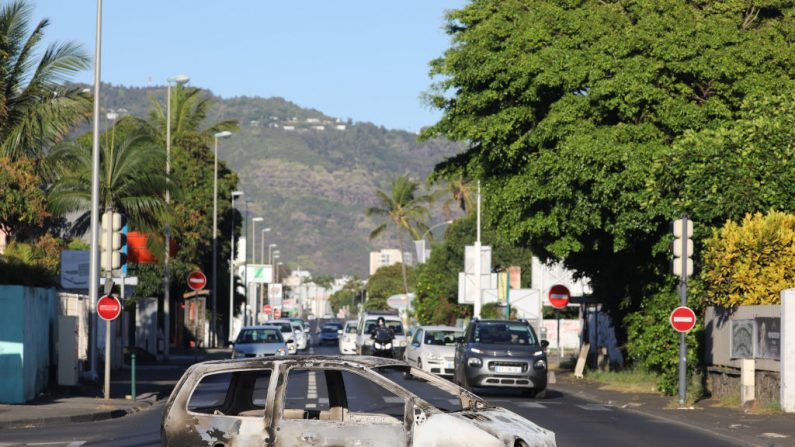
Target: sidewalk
[(85, 403), (768, 430)]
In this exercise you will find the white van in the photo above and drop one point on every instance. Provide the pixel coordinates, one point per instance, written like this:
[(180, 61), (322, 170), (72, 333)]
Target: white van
[(369, 320)]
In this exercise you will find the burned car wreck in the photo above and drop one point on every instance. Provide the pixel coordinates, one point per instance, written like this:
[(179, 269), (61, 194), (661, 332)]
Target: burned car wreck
[(332, 401)]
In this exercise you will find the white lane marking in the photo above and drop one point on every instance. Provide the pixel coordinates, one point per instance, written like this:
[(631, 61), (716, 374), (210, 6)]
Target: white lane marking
[(323, 400), (594, 407), (530, 405), (392, 399), (63, 443), (454, 401), (773, 435)]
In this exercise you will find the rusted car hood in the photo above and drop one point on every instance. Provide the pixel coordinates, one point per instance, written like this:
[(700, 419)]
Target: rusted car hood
[(506, 426)]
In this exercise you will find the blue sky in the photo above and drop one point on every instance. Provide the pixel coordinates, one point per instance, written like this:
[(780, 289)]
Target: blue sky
[(360, 59)]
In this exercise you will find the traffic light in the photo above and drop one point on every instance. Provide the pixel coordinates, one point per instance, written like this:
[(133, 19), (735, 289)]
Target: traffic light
[(683, 247), (113, 241)]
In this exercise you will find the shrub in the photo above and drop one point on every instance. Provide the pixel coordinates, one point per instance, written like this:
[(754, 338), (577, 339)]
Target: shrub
[(752, 262)]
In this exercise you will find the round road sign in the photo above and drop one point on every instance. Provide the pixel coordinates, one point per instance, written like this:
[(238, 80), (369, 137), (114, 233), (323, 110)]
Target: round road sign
[(683, 319), (197, 280), (267, 309), (277, 313), (108, 308), (558, 296)]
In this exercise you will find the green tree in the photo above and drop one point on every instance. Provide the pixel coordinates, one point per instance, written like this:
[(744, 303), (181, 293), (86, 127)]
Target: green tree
[(36, 110), (404, 209), (132, 181), (24, 202), (569, 110), (385, 282)]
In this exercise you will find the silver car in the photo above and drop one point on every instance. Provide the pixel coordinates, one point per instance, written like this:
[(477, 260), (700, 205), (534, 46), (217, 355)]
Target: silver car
[(432, 349), (259, 341)]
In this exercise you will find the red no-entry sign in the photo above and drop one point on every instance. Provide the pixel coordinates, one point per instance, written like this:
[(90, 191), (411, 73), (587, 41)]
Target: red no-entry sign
[(108, 308), (559, 296), (197, 280), (267, 309), (683, 319)]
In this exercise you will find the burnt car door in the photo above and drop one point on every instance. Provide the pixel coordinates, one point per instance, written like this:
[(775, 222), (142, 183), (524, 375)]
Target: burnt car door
[(220, 408), (339, 407)]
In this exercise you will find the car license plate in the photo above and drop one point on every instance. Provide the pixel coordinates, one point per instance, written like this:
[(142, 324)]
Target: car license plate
[(450, 365), (508, 369)]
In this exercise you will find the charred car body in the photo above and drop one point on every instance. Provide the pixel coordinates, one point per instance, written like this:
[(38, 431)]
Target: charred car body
[(318, 400)]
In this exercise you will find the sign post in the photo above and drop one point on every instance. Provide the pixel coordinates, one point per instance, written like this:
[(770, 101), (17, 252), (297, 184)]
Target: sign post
[(108, 308), (559, 298), (682, 267)]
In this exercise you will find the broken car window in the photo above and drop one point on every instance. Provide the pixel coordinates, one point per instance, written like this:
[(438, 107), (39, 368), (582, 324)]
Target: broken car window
[(239, 393)]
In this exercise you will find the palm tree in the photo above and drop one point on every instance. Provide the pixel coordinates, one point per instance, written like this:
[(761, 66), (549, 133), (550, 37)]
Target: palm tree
[(36, 110), (461, 192), (132, 181), (405, 210)]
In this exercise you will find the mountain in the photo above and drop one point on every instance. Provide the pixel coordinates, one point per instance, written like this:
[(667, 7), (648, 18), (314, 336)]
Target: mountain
[(309, 175)]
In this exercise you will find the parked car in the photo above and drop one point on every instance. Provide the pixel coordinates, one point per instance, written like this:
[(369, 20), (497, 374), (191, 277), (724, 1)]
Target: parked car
[(369, 401), (369, 320), (300, 336), (259, 341), (329, 333), (502, 354), (290, 335), (347, 339), (432, 349)]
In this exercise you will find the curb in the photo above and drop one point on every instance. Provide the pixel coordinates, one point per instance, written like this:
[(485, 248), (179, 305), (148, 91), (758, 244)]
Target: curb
[(143, 403)]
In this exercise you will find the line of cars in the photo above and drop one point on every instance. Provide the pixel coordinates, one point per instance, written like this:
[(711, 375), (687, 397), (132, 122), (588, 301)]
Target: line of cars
[(487, 353), (275, 338)]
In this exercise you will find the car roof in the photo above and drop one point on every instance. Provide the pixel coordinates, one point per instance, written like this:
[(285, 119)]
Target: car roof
[(304, 360), (441, 328), (352, 322), (502, 321), (259, 326)]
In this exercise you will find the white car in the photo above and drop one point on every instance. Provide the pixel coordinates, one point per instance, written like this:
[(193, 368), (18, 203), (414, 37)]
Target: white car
[(300, 335), (289, 333), (432, 349), (347, 339), (362, 401)]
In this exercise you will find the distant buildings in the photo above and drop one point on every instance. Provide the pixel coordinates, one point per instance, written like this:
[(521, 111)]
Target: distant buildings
[(296, 124), (387, 257)]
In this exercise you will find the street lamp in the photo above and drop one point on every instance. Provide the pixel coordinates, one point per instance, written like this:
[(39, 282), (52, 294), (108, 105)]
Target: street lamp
[(262, 245), (254, 221), (93, 269), (235, 194), (277, 271), (218, 136), (420, 243), (175, 80)]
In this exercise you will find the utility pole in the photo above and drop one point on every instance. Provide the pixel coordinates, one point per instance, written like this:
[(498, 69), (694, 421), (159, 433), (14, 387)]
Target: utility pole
[(478, 262)]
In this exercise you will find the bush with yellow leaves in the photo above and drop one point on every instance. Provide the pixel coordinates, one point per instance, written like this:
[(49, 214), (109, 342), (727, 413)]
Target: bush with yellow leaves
[(752, 262)]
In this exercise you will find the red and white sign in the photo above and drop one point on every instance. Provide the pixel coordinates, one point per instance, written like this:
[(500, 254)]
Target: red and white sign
[(108, 308), (267, 309), (197, 280), (277, 313), (683, 319), (559, 296)]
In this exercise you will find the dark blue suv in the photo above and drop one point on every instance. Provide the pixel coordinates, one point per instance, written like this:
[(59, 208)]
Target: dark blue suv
[(502, 354)]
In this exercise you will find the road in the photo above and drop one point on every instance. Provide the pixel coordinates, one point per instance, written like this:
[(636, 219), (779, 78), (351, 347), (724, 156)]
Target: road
[(576, 422)]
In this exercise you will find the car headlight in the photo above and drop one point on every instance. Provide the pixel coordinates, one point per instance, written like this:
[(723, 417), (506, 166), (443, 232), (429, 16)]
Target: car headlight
[(432, 356), (474, 361), (540, 364), (537, 353), (402, 342), (477, 351)]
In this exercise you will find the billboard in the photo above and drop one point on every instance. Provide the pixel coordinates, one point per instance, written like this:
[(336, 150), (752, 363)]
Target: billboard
[(259, 273), (74, 269)]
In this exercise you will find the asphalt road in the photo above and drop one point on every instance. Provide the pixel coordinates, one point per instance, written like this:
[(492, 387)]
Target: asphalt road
[(576, 422)]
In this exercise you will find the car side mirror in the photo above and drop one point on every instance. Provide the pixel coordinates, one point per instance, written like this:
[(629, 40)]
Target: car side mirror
[(544, 344)]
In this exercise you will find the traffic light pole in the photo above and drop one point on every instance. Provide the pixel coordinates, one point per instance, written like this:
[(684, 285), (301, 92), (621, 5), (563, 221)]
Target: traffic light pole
[(683, 302)]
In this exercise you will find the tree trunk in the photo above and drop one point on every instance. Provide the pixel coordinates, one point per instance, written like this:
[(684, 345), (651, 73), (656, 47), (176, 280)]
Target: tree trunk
[(403, 263)]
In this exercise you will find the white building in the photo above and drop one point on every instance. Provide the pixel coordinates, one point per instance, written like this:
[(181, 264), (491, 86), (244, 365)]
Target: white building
[(386, 257)]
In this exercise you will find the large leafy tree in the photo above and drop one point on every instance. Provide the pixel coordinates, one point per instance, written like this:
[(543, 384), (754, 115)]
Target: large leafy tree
[(570, 110), (385, 282), (405, 209), (36, 110)]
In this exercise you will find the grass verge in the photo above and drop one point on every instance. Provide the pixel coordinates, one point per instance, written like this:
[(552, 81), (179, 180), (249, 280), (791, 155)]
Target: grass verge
[(626, 381)]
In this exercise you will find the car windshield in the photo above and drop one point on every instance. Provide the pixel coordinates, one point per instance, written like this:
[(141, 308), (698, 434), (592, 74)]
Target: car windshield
[(285, 327), (504, 334), (329, 328), (395, 325), (262, 335), (442, 338), (350, 329)]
